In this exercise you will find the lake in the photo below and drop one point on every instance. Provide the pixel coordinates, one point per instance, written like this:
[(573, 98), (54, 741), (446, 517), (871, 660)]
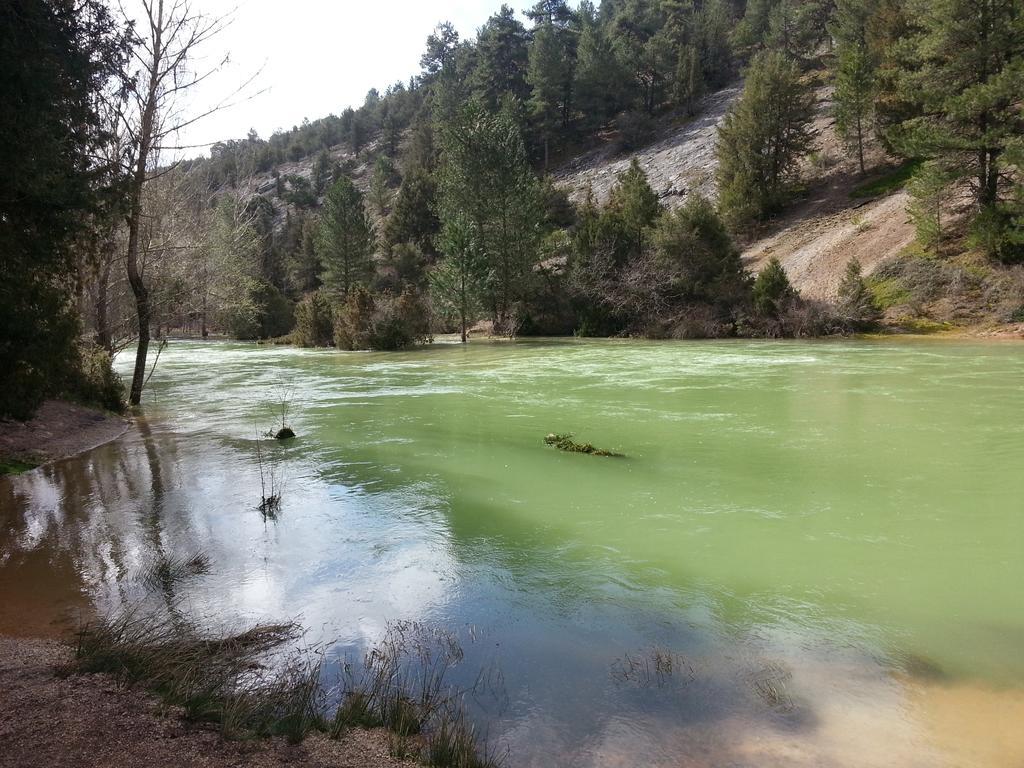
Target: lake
[(810, 553)]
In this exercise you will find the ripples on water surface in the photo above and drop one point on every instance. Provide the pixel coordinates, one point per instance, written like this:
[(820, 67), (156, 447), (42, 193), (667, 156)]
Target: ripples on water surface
[(826, 537)]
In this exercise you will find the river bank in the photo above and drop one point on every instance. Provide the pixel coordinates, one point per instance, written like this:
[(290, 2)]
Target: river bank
[(59, 430), (52, 719)]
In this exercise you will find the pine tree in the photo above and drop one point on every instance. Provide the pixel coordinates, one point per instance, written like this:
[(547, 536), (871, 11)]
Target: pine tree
[(929, 189), (599, 75), (321, 172), (856, 303), (855, 74), (762, 138), (547, 76), (635, 205), (413, 216), (502, 59), (486, 179), (689, 80), (345, 239), (772, 289), (967, 78), (456, 283), (694, 245)]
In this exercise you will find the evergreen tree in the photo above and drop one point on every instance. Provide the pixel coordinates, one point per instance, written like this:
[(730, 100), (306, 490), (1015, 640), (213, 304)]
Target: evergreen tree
[(856, 303), (599, 76), (56, 59), (702, 263), (689, 80), (762, 138), (413, 216), (321, 172), (486, 179), (772, 289), (929, 190), (635, 206), (968, 80), (457, 282), (714, 22), (380, 191), (345, 239), (547, 76), (502, 59), (442, 44), (855, 74)]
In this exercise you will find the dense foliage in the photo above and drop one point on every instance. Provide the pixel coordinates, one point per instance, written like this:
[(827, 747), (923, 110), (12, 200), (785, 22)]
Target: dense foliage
[(55, 57)]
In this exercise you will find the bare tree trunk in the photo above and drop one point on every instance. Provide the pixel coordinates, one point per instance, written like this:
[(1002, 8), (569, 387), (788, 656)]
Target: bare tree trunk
[(146, 132)]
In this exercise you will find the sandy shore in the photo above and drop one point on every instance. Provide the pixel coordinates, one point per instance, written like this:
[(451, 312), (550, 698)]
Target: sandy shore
[(52, 720), (57, 431)]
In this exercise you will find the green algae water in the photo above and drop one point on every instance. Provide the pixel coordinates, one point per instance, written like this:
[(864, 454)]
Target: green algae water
[(826, 538)]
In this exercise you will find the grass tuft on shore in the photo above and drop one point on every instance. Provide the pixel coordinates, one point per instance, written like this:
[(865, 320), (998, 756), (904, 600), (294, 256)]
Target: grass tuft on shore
[(213, 679), (247, 685)]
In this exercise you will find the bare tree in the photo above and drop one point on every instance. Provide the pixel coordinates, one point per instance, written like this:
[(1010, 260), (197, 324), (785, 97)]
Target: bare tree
[(169, 32)]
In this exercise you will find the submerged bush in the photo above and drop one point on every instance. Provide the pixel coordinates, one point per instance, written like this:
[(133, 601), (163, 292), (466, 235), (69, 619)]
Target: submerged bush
[(385, 322), (313, 321)]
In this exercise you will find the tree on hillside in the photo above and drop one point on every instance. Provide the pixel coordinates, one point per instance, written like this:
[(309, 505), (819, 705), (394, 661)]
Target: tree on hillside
[(599, 76), (413, 216), (345, 239), (772, 289), (703, 264), (968, 80), (635, 206), (548, 72), (762, 138), (688, 86), (485, 178), (929, 191), (855, 302), (442, 44), (855, 74), (502, 59)]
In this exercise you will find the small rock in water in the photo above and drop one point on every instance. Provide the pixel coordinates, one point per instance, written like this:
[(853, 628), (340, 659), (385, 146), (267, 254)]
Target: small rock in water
[(284, 433)]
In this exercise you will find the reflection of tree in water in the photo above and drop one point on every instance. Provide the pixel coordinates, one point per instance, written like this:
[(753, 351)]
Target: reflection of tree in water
[(98, 528)]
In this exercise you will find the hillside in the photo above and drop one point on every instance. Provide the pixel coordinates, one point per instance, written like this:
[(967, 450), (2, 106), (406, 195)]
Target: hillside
[(813, 240), (836, 219)]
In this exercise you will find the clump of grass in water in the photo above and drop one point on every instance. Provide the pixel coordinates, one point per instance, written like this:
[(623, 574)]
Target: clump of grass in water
[(212, 678), (168, 571), (566, 443), (657, 666), (271, 486), (770, 684), (402, 686)]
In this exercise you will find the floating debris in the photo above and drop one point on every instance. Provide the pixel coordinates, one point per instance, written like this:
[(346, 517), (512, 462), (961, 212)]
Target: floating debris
[(566, 443)]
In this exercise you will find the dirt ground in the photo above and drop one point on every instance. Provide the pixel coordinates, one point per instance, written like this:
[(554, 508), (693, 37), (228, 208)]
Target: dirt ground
[(58, 430), (51, 721)]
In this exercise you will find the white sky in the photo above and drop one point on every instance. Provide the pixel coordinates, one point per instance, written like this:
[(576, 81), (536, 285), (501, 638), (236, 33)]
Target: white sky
[(316, 57)]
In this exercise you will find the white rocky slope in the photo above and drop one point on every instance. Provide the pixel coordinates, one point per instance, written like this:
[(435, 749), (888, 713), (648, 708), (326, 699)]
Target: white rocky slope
[(813, 240)]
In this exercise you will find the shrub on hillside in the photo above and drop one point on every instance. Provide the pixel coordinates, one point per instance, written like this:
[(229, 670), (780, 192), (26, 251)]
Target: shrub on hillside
[(635, 130), (856, 304)]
